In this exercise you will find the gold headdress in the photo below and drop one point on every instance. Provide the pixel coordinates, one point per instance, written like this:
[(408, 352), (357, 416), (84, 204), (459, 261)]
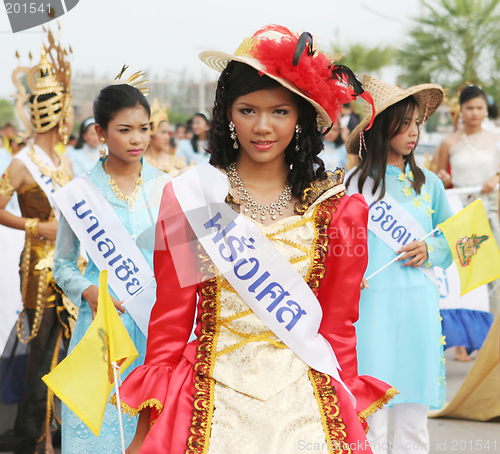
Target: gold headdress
[(158, 114), (52, 76), (135, 80)]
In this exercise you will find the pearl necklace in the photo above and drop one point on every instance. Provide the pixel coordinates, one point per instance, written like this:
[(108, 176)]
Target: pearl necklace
[(247, 200), (468, 144)]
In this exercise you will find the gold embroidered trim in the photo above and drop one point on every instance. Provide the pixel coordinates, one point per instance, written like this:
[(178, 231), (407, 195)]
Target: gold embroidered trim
[(287, 227), (317, 188), (294, 244), (237, 316), (378, 404), (319, 251), (153, 403), (254, 338), (203, 404), (41, 299), (333, 425), (6, 188), (225, 285)]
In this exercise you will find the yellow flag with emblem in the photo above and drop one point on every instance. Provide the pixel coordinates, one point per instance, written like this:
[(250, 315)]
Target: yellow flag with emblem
[(473, 246), (84, 379)]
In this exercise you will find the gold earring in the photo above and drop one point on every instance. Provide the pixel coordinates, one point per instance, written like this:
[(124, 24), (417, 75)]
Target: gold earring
[(102, 151)]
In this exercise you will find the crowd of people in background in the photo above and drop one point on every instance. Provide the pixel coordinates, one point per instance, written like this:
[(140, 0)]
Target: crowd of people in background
[(132, 155)]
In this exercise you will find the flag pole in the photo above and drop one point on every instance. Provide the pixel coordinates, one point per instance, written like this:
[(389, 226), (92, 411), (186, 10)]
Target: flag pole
[(401, 255), (119, 405)]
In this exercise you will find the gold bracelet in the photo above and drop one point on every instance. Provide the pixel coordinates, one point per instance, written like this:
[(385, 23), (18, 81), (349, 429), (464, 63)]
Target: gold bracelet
[(31, 227)]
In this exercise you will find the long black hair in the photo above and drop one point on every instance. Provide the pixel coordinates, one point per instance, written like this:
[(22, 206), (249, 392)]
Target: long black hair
[(194, 140), (115, 98), (239, 79), (387, 124)]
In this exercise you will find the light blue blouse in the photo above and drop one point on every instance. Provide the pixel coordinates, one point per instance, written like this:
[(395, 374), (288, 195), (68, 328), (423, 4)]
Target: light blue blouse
[(139, 218), (84, 159), (185, 150), (399, 327)]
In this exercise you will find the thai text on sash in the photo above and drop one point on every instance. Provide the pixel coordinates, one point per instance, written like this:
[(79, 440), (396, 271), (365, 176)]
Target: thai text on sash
[(259, 273), (389, 221), (110, 246)]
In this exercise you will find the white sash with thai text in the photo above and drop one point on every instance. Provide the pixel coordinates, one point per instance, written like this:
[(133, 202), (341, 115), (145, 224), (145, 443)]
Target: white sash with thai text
[(390, 221), (259, 273), (110, 246), (48, 186)]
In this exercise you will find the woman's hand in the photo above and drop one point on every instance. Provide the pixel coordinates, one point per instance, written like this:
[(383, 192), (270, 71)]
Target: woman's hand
[(364, 284), (91, 295), (48, 230), (490, 185), (416, 254), (134, 448), (140, 432), (445, 178)]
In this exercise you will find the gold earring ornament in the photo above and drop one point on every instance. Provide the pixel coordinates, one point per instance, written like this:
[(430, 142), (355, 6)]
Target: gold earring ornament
[(102, 151)]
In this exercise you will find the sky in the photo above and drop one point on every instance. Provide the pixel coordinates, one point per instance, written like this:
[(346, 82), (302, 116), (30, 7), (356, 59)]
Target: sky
[(164, 37)]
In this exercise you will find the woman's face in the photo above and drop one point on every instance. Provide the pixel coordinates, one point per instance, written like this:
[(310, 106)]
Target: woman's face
[(161, 140), (265, 123), (403, 143), (128, 134), (200, 127), (333, 134), (474, 111), (90, 136)]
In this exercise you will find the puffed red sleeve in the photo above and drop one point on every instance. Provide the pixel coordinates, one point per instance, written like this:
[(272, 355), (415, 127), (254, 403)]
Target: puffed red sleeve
[(339, 293), (171, 319)]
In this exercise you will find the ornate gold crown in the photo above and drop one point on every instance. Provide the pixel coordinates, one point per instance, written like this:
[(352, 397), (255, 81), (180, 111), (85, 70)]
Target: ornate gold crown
[(158, 114), (52, 76)]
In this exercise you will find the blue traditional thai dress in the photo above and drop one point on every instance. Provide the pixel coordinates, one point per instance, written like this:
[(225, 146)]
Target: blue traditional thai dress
[(185, 150), (399, 327), (139, 217)]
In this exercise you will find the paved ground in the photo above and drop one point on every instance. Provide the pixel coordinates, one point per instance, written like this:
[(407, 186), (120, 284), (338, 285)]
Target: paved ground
[(448, 436), (453, 436)]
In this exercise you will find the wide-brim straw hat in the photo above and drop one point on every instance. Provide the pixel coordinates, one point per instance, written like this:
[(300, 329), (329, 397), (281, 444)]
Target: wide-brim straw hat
[(325, 94), (428, 97)]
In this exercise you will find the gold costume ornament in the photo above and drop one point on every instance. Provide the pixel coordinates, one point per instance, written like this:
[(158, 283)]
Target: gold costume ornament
[(52, 76), (102, 151), (158, 114), (135, 80), (59, 174), (31, 227)]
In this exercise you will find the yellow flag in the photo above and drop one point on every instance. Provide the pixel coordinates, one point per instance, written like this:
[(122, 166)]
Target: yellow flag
[(84, 379), (473, 246)]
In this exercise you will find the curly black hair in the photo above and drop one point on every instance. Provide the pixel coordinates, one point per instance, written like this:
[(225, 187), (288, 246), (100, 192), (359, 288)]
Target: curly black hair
[(239, 79)]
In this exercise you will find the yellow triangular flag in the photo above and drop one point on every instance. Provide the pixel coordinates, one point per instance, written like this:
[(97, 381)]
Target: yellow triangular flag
[(84, 379), (473, 246)]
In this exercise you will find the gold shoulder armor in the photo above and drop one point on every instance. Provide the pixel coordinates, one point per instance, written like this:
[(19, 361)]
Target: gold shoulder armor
[(5, 187)]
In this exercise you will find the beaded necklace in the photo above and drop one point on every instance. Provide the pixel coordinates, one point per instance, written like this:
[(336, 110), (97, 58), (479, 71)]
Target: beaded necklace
[(249, 202)]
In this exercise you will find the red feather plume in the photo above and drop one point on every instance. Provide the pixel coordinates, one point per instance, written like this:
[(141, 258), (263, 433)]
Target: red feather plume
[(312, 75)]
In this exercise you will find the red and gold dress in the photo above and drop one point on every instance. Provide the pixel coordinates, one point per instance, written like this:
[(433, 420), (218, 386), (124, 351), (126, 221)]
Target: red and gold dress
[(237, 387)]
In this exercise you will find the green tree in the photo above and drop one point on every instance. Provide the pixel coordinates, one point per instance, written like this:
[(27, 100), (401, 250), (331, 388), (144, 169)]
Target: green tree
[(7, 113), (454, 42), (363, 59)]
